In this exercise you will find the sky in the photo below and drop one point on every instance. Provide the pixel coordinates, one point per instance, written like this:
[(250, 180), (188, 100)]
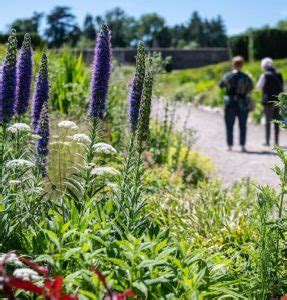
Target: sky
[(237, 14)]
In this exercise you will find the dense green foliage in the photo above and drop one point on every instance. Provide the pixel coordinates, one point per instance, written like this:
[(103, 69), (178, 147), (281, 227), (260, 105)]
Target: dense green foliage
[(148, 215), (239, 45), (260, 43)]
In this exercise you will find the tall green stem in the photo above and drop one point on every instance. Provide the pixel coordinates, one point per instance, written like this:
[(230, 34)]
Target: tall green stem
[(3, 128), (283, 185), (90, 155)]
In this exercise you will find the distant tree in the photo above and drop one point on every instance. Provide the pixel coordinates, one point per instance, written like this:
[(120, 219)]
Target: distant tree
[(282, 25), (178, 36), (215, 33), (121, 25), (195, 30), (62, 27), (89, 30), (30, 25), (151, 29)]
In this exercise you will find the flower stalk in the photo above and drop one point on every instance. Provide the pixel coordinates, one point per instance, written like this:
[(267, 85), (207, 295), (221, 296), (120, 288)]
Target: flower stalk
[(24, 77), (137, 87), (41, 94)]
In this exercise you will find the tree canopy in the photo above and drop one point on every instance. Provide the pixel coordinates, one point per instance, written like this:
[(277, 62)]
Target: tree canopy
[(62, 28)]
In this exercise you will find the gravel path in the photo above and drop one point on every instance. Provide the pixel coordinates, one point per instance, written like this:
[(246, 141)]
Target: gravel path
[(257, 163)]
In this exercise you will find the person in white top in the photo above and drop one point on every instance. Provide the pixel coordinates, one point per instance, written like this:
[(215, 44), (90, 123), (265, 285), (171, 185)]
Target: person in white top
[(271, 84)]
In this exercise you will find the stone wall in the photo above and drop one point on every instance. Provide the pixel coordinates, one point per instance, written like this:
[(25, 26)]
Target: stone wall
[(181, 59)]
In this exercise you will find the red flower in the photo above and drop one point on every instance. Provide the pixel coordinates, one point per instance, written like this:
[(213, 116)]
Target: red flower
[(41, 270), (52, 289)]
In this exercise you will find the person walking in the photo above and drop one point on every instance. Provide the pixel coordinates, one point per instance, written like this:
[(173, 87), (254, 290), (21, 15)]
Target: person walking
[(271, 82), (238, 86)]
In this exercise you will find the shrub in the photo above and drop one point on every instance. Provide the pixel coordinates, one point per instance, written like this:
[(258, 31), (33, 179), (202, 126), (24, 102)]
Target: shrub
[(269, 43), (259, 44), (238, 45)]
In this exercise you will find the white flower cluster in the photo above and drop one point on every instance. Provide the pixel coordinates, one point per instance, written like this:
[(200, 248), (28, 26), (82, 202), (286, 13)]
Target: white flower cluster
[(80, 138), (19, 127), (11, 164), (26, 274), (68, 125), (104, 148), (113, 186), (14, 182), (12, 259), (100, 171)]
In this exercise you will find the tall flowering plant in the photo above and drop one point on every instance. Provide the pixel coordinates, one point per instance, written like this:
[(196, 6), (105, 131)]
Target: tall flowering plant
[(101, 70), (42, 144), (145, 108), (7, 95), (41, 94), (100, 73), (8, 85), (130, 200), (24, 77), (137, 87)]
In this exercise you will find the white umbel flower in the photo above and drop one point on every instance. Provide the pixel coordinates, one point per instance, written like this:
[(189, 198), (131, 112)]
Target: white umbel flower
[(113, 186), (14, 182), (100, 171), (26, 274), (19, 127), (80, 138), (104, 148), (11, 164), (11, 259), (68, 125)]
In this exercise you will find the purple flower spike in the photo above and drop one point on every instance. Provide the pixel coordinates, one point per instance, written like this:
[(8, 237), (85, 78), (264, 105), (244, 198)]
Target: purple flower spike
[(24, 77), (41, 94), (8, 85), (137, 87), (100, 73), (43, 131)]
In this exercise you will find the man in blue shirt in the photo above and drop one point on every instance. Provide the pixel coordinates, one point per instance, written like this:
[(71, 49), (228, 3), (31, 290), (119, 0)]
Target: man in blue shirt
[(238, 86)]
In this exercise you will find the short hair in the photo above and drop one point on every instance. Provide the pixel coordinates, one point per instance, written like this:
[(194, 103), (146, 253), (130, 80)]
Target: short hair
[(267, 63), (237, 61)]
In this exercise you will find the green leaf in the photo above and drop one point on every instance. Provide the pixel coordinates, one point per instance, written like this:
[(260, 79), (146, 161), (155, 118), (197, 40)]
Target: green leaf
[(71, 252), (53, 238), (141, 287)]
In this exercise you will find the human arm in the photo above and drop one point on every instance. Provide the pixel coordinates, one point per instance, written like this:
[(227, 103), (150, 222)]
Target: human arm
[(222, 83), (261, 82)]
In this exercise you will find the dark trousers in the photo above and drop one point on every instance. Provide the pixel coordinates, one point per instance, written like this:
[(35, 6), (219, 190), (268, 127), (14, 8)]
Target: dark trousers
[(230, 116), (271, 113)]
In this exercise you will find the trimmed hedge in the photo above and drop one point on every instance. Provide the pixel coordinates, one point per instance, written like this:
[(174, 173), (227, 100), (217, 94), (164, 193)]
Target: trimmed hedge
[(35, 38), (259, 44), (270, 42), (238, 45)]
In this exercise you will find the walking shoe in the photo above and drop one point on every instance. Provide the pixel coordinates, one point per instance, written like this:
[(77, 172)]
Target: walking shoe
[(266, 145), (243, 149), (229, 148)]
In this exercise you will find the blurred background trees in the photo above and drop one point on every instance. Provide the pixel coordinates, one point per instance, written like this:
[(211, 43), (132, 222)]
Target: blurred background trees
[(61, 27)]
